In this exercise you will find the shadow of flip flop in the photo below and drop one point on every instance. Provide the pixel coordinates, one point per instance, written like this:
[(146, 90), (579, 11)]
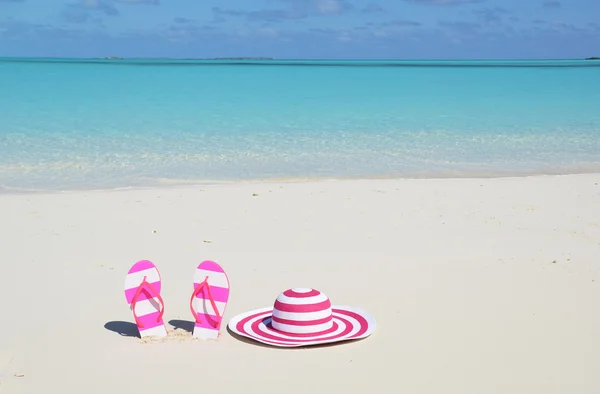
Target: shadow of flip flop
[(184, 325), (123, 328)]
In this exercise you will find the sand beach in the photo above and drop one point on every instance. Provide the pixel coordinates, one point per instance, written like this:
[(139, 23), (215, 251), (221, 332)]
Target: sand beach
[(477, 285)]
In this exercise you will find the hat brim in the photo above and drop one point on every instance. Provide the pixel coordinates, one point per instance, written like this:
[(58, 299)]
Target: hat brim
[(348, 323)]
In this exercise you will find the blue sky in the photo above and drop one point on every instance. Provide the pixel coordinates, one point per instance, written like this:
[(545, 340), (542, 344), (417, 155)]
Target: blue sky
[(329, 29)]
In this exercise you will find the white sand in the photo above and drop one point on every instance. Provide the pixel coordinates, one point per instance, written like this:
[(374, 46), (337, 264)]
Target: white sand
[(478, 286)]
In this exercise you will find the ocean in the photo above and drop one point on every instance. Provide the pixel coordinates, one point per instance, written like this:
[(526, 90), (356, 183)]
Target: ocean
[(70, 124)]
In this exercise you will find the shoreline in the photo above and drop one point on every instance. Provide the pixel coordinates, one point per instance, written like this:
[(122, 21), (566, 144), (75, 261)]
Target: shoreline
[(170, 183)]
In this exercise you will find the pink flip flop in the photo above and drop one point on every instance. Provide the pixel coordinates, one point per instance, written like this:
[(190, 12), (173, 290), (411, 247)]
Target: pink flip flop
[(142, 291), (210, 296)]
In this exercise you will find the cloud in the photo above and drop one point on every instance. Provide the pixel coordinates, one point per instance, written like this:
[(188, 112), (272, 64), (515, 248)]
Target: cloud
[(180, 38), (567, 27), (372, 8), (268, 32), (558, 28), (260, 15), (552, 4), (185, 30), (181, 20), (105, 6), (333, 6), (404, 23), (443, 2), (461, 28), (396, 23), (82, 10), (315, 7), (293, 10), (491, 15), (75, 16), (329, 6), (335, 35), (399, 28), (16, 29), (150, 2), (20, 30)]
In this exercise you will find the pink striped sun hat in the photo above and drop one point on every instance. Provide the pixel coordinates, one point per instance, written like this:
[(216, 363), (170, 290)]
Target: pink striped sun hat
[(303, 317)]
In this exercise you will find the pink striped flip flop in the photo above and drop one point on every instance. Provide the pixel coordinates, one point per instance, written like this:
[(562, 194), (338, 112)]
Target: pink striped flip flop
[(142, 291), (211, 293)]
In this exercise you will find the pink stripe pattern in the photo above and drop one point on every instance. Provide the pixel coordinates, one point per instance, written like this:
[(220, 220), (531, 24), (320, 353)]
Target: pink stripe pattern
[(208, 322), (141, 266), (292, 308), (147, 307), (144, 295), (220, 294), (303, 317)]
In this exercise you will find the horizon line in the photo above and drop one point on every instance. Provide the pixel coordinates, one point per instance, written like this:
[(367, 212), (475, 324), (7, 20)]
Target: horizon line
[(114, 57)]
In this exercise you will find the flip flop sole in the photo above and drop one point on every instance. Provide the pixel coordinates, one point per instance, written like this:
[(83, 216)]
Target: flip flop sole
[(219, 289), (147, 307)]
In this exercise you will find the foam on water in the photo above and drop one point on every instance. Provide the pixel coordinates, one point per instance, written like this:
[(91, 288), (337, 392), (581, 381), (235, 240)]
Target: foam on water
[(69, 124)]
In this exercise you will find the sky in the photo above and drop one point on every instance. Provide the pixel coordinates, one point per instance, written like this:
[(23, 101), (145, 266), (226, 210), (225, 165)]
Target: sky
[(302, 29)]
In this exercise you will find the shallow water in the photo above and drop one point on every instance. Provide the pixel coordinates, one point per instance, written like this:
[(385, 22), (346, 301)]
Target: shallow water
[(73, 124)]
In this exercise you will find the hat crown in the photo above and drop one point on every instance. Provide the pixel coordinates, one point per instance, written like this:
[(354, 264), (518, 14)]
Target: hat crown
[(302, 311)]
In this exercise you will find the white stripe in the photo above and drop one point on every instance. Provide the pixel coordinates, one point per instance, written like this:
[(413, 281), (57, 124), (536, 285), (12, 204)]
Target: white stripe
[(134, 279), (146, 307), (159, 331), (301, 290), (205, 306), (205, 333), (341, 328), (262, 327), (302, 301), (218, 279), (300, 329), (302, 316)]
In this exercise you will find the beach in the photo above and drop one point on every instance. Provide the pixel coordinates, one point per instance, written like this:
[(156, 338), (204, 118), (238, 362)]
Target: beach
[(477, 285)]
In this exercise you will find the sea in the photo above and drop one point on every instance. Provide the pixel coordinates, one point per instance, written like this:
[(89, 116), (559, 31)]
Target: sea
[(71, 124)]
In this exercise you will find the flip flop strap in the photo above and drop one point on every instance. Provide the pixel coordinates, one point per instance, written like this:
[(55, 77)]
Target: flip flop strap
[(153, 292), (210, 297)]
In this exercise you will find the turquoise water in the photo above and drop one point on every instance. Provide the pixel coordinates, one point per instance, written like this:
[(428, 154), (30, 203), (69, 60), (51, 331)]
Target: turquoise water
[(78, 124)]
